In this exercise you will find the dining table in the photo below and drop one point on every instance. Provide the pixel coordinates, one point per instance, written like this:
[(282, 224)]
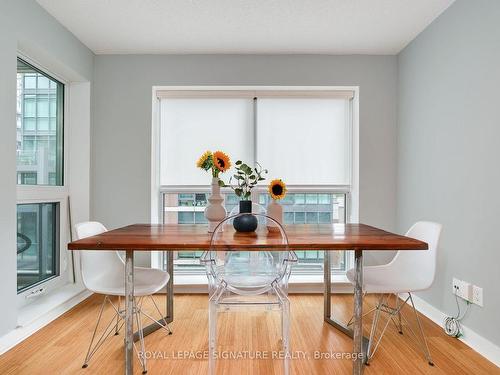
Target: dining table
[(169, 238)]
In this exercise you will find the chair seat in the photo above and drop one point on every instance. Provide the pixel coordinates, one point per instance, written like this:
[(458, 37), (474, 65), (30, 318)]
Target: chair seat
[(381, 279), (249, 281), (147, 281)]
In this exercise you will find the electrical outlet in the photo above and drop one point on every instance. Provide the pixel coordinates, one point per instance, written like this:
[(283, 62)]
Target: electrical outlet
[(462, 289), (477, 295)]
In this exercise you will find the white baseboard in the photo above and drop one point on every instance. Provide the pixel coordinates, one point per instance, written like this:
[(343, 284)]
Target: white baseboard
[(470, 338), (25, 330)]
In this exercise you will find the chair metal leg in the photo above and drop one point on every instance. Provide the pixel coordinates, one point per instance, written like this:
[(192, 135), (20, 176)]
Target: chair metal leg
[(382, 307), (349, 323), (105, 334), (374, 328), (117, 328), (400, 325), (87, 356), (166, 326), (425, 348)]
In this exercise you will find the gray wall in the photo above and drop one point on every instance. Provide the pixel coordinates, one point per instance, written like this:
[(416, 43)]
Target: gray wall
[(449, 150), (121, 133), (25, 26)]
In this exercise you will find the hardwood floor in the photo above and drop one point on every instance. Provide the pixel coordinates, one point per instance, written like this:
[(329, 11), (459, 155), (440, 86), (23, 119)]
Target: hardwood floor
[(60, 347)]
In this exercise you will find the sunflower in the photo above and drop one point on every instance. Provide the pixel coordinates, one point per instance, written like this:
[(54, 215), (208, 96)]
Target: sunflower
[(221, 161), (277, 189), (205, 161)]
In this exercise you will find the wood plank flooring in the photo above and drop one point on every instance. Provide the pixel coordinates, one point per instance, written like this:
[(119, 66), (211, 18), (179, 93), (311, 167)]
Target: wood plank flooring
[(60, 347)]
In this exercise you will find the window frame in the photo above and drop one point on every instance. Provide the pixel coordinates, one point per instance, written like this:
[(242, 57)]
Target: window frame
[(50, 194), (56, 260), (351, 191)]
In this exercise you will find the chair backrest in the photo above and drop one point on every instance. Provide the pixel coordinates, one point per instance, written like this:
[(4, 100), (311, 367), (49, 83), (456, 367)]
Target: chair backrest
[(419, 266), (94, 265), (246, 272)]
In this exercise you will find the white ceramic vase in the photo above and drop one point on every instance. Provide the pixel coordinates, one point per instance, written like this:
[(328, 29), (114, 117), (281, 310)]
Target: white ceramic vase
[(275, 211), (215, 211)]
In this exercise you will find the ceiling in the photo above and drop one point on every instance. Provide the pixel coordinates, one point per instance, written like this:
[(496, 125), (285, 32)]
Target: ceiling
[(245, 26)]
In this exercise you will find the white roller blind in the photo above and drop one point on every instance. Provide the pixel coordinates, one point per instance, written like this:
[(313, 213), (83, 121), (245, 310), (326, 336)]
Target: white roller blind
[(191, 126), (304, 141)]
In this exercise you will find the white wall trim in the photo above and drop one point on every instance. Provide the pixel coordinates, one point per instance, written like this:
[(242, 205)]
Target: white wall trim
[(26, 329), (470, 338)]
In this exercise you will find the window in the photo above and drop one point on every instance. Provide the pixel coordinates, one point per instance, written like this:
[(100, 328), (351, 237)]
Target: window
[(40, 126), (306, 138), (37, 243), (40, 180)]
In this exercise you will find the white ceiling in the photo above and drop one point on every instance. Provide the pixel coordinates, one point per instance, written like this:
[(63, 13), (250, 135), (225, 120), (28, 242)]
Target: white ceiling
[(245, 26)]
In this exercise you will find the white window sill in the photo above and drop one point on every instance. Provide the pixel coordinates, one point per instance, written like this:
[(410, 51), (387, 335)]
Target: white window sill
[(41, 312), (44, 304)]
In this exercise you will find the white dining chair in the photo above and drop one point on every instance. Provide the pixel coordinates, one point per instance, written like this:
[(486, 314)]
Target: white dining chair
[(248, 278), (407, 272), (103, 273)]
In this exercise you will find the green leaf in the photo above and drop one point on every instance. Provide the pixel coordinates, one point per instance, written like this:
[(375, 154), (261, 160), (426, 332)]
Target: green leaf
[(238, 162), (238, 192), (261, 179), (222, 183)]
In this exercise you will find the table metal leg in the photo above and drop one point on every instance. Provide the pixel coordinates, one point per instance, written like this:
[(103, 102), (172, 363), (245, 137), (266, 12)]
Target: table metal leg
[(169, 316), (170, 287), (129, 306), (358, 314), (360, 343)]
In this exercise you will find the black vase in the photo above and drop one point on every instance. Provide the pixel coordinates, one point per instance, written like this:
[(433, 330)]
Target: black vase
[(245, 223)]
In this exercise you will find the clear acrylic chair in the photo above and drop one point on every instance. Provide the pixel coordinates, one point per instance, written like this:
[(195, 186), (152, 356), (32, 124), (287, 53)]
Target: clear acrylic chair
[(238, 277)]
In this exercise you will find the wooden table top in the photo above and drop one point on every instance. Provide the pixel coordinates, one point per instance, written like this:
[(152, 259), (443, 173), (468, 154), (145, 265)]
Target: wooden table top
[(149, 237)]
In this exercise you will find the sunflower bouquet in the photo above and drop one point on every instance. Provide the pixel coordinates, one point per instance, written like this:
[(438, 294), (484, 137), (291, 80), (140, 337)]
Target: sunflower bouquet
[(216, 162), (277, 189)]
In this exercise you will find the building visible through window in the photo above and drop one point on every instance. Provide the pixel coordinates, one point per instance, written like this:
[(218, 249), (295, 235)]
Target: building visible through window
[(39, 127), (299, 208)]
